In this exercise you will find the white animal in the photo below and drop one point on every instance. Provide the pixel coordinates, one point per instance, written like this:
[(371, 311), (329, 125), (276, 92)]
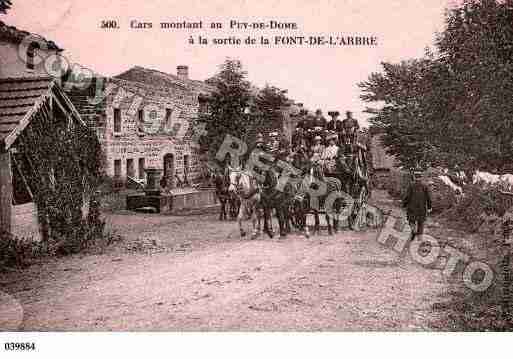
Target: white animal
[(451, 184)]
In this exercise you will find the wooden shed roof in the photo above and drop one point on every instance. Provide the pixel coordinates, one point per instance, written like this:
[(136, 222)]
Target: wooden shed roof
[(20, 100)]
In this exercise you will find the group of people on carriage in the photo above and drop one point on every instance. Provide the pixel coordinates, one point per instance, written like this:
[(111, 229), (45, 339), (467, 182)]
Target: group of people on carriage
[(322, 154), (316, 131)]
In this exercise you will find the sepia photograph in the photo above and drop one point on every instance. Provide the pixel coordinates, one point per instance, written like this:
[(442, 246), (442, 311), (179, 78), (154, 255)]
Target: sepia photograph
[(263, 167)]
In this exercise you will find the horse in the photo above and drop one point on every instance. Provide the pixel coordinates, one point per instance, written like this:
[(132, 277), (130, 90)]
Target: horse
[(300, 203), (245, 187), (234, 205), (229, 201), (222, 183), (332, 185), (278, 197)]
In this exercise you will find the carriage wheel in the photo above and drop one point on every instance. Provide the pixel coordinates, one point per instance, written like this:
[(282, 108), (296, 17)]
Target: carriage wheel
[(358, 217)]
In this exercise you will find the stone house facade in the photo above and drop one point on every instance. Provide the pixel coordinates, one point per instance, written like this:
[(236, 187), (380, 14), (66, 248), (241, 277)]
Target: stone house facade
[(144, 119)]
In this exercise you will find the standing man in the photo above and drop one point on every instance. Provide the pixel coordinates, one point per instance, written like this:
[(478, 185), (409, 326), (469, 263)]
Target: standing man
[(417, 203), (320, 120), (335, 125), (350, 128), (319, 124)]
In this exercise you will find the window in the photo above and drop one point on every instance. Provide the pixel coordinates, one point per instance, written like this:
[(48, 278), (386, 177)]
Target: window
[(117, 120), (117, 168), (141, 167), (167, 121), (140, 120), (31, 54), (130, 171)]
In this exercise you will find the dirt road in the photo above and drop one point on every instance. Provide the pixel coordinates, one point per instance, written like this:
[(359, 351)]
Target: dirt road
[(196, 273)]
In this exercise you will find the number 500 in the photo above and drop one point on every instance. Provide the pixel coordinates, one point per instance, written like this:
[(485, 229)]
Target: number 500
[(109, 24)]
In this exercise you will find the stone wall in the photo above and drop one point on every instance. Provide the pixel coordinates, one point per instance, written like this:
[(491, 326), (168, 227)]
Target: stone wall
[(145, 142)]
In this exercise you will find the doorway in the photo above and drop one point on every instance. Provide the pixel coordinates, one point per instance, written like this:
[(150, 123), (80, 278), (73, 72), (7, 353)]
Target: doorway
[(169, 171)]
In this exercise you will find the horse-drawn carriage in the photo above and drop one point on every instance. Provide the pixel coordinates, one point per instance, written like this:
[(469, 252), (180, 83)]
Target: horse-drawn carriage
[(350, 168), (343, 177)]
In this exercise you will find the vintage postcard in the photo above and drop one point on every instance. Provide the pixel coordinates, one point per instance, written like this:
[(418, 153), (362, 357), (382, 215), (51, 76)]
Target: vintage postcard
[(270, 166)]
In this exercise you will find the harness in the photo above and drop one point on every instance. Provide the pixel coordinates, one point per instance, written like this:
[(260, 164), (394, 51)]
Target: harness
[(238, 186)]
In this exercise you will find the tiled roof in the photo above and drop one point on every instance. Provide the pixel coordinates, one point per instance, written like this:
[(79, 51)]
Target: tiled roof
[(159, 78), (12, 34), (20, 99)]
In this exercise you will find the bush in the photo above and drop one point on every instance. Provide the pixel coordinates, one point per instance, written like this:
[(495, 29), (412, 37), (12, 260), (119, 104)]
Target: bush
[(87, 234), (479, 200), (17, 252), (396, 183), (443, 197)]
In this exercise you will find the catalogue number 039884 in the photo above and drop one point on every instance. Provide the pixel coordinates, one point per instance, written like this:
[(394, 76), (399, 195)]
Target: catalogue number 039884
[(20, 346)]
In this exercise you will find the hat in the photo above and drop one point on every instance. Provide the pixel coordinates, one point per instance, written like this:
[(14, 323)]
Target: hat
[(319, 111), (332, 136), (273, 134), (260, 138), (317, 138)]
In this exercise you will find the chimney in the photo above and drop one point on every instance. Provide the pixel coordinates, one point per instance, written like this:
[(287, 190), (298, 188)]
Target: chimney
[(182, 71)]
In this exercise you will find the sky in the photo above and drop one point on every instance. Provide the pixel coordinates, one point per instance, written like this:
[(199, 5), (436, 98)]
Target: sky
[(319, 77)]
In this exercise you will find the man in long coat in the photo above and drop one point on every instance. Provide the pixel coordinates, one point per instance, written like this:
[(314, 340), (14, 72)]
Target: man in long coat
[(417, 203), (350, 128)]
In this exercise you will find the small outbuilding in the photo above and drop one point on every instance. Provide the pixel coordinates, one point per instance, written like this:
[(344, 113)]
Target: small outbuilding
[(39, 127)]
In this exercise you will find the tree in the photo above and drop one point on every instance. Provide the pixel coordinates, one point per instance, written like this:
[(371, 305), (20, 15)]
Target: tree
[(454, 108), (4, 6), (477, 49), (402, 119), (228, 106), (267, 108)]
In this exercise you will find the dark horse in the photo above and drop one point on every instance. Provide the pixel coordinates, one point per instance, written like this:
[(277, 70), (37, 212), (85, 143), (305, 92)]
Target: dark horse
[(278, 197), (299, 207), (226, 198)]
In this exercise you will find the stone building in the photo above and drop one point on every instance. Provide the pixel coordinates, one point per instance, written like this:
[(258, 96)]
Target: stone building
[(144, 119)]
